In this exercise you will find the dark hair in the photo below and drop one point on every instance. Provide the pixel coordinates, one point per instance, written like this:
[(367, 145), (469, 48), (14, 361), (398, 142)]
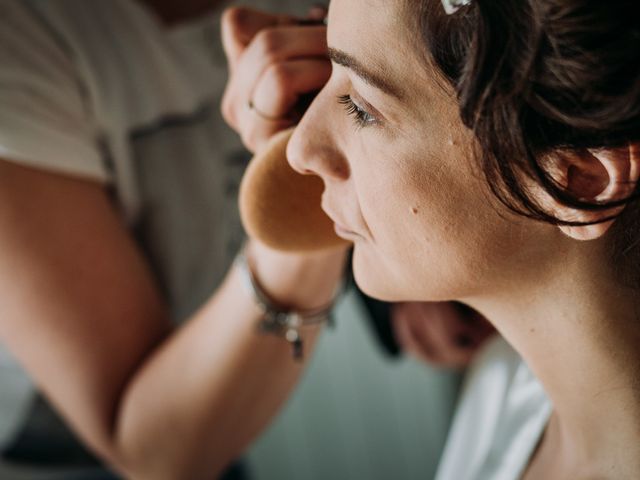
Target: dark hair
[(534, 77)]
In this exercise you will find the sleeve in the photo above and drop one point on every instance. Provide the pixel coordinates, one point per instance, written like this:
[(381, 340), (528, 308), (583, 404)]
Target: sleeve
[(45, 119)]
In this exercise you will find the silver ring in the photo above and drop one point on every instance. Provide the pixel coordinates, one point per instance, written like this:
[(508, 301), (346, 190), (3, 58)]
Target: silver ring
[(264, 116)]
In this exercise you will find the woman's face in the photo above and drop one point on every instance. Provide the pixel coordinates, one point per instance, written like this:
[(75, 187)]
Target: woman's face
[(400, 178)]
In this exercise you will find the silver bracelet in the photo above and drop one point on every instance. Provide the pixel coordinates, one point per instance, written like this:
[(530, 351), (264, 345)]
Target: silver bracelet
[(278, 321)]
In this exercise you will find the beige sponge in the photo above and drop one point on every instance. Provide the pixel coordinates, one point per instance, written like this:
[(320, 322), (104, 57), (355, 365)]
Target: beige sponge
[(281, 207)]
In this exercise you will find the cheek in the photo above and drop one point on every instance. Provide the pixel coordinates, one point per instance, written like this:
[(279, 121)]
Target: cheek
[(434, 232), (406, 208)]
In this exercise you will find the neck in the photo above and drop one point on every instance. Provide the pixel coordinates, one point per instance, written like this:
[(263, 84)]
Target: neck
[(579, 331), (174, 11)]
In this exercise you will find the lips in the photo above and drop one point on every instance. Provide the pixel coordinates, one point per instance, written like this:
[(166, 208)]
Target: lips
[(345, 233), (341, 227)]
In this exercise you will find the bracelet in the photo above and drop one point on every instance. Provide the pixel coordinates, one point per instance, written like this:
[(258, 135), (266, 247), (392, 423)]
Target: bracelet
[(283, 323)]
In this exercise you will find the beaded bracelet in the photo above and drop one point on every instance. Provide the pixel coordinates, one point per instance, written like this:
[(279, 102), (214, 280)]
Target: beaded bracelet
[(283, 323)]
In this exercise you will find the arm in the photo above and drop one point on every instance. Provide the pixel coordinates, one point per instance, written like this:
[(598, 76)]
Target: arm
[(81, 312)]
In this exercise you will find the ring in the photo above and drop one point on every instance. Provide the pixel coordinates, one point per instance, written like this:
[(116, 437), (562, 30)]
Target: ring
[(264, 116)]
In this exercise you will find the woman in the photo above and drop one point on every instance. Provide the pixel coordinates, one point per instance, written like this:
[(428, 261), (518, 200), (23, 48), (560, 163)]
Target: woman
[(489, 152)]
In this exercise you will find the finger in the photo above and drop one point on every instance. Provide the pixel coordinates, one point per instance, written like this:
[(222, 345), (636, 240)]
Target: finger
[(294, 43), (473, 339), (468, 336), (473, 324), (275, 45), (279, 88), (401, 319), (453, 340), (283, 42), (460, 359), (241, 24), (259, 131), (252, 127), (435, 324)]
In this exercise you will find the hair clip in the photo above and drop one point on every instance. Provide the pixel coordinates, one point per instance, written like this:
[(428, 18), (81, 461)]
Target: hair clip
[(452, 6)]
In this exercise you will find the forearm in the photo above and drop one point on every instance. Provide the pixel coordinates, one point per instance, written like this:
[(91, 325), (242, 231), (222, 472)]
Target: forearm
[(206, 392), (83, 316)]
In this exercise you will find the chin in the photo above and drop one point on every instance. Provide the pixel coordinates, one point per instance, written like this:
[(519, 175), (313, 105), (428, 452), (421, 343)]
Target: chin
[(376, 279), (371, 289)]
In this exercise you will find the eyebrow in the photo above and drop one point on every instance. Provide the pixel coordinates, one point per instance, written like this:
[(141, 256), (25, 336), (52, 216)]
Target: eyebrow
[(379, 81)]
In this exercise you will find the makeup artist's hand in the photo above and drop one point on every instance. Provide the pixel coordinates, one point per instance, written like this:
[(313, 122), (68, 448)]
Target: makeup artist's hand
[(273, 61), (446, 334), (303, 281)]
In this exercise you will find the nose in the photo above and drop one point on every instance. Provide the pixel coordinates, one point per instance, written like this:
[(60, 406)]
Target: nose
[(312, 149)]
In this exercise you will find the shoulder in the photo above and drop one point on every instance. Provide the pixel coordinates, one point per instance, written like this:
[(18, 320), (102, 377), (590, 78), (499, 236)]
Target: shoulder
[(497, 372), (501, 412)]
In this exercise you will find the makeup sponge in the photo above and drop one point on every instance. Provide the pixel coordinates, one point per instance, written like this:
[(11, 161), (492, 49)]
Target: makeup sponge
[(281, 207)]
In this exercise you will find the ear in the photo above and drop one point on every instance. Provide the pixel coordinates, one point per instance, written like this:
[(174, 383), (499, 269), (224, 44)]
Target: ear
[(602, 175)]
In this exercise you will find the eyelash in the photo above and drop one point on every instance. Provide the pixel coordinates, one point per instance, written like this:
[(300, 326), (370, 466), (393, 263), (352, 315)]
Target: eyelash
[(361, 117)]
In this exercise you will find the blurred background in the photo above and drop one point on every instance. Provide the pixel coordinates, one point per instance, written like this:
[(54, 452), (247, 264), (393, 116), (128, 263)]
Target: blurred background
[(359, 413)]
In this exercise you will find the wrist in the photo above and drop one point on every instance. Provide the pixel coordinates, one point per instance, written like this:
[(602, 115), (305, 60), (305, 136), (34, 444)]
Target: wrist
[(300, 281), (281, 320)]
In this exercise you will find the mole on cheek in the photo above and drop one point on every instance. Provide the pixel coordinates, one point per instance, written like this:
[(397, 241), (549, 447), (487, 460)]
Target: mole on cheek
[(414, 210)]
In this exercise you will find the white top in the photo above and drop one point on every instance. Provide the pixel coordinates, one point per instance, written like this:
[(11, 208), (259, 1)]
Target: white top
[(502, 414)]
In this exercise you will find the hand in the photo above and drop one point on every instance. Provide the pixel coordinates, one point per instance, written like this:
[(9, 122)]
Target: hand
[(273, 61), (303, 281), (446, 334)]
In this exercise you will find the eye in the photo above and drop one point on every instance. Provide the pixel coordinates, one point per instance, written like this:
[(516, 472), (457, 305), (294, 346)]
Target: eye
[(361, 117)]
